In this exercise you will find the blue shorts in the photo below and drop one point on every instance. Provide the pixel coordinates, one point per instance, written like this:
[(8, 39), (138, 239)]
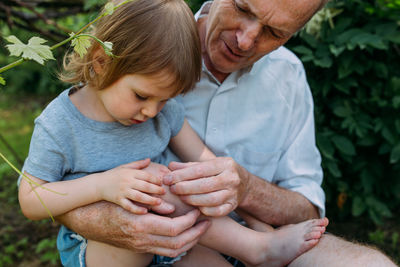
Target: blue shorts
[(72, 249)]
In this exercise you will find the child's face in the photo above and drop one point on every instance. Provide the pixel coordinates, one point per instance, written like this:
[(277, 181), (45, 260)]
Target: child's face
[(134, 98)]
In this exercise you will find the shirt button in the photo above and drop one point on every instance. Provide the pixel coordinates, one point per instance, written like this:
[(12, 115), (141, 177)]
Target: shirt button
[(214, 129)]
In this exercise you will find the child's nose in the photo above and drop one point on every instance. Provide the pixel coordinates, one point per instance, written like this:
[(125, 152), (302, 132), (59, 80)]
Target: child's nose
[(150, 110)]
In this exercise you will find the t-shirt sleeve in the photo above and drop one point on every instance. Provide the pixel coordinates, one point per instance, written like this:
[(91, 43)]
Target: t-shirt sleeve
[(46, 159), (175, 115)]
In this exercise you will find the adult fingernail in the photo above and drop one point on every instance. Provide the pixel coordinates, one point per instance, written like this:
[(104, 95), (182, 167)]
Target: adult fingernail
[(167, 179)]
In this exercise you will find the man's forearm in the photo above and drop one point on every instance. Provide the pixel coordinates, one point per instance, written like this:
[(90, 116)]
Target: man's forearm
[(92, 222), (275, 205), (147, 233)]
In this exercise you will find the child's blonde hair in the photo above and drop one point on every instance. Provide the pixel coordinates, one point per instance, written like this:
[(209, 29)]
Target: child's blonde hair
[(148, 36)]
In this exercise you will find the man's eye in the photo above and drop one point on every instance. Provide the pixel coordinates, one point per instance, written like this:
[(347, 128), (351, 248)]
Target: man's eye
[(272, 32), (140, 97), (240, 8)]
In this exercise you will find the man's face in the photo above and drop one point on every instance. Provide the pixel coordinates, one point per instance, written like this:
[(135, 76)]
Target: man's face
[(239, 32)]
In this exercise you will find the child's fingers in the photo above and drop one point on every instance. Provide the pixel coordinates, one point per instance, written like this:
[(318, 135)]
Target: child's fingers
[(147, 187), (129, 206), (164, 208), (146, 176), (140, 164), (143, 198)]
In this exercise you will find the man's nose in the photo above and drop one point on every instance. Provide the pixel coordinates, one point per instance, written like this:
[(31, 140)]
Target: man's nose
[(248, 34)]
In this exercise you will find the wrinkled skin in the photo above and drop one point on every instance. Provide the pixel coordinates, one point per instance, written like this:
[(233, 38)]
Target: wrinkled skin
[(147, 233)]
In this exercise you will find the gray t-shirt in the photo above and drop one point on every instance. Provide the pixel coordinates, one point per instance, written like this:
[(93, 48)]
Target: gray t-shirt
[(66, 145)]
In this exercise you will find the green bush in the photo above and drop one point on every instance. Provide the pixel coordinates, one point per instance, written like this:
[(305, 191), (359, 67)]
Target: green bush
[(353, 67)]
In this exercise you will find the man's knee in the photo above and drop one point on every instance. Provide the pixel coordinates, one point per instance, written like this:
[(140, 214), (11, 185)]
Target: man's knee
[(335, 251)]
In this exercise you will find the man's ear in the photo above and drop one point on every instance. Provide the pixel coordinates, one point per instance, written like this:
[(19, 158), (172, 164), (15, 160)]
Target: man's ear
[(99, 60)]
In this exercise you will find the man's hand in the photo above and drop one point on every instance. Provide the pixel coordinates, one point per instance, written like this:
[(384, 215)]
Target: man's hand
[(216, 186), (149, 233)]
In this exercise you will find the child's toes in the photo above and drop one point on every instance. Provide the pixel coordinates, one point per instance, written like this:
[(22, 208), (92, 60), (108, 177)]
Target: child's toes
[(312, 235), (320, 229)]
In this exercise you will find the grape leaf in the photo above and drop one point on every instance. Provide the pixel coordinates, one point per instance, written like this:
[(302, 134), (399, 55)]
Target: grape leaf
[(34, 50), (81, 44), (109, 8), (108, 48), (2, 81)]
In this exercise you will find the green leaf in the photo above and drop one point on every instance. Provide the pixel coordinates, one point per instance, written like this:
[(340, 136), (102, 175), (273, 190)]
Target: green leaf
[(367, 39), (367, 180), (395, 154), (109, 8), (108, 46), (345, 37), (358, 206), (342, 111), (378, 206), (301, 49), (93, 3), (309, 39), (80, 44), (336, 50), (367, 141), (396, 101), (2, 81), (388, 135), (381, 70), (333, 169), (395, 38), (325, 146), (344, 145), (34, 50), (17, 48), (324, 62), (345, 85), (345, 66)]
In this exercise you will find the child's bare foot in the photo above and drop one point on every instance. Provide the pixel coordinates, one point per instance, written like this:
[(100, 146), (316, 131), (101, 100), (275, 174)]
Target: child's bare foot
[(287, 243)]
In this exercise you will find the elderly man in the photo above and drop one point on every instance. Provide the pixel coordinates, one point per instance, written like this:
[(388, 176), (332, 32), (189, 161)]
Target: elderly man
[(254, 109)]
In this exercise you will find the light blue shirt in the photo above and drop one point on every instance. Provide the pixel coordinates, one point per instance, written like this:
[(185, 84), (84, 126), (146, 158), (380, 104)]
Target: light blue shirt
[(263, 118), (67, 145)]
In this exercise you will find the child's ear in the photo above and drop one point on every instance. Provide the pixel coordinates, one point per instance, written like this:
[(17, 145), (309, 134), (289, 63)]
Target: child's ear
[(99, 60)]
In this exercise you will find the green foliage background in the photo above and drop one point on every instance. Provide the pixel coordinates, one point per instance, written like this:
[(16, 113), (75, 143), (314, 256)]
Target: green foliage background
[(354, 72), (353, 66)]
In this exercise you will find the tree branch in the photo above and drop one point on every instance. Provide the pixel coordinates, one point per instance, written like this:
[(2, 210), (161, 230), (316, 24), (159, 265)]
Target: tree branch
[(43, 17)]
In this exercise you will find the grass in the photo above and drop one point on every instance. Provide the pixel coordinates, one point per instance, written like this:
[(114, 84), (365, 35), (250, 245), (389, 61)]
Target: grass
[(26, 243), (22, 242)]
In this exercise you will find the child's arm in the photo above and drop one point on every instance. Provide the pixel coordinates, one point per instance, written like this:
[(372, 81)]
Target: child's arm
[(188, 146), (122, 185)]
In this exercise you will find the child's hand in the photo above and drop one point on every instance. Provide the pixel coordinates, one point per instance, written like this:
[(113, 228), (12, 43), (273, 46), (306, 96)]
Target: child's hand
[(159, 170), (128, 187)]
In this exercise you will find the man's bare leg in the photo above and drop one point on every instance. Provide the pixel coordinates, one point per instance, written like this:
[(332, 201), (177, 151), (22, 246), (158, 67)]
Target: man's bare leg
[(334, 251)]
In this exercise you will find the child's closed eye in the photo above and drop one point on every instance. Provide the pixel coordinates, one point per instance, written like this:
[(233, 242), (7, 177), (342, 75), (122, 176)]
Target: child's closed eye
[(142, 98)]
